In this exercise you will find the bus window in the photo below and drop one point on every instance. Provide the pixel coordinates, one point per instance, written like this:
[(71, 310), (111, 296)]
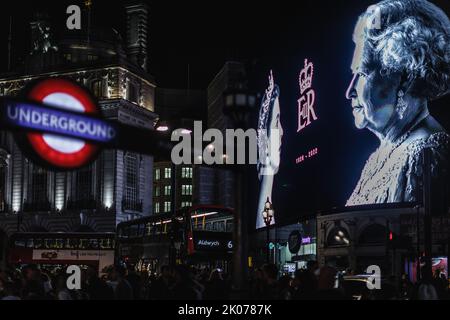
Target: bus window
[(20, 243), (208, 226), (106, 244), (50, 244), (221, 226), (38, 243), (30, 243), (229, 225), (71, 243), (83, 244), (59, 243), (93, 243)]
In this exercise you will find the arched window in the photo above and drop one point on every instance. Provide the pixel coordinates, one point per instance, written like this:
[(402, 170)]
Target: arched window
[(373, 234), (338, 237), (131, 199)]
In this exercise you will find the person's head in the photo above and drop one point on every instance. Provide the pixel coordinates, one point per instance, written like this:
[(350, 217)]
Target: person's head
[(165, 271), (11, 287), (312, 266), (327, 278), (31, 272), (119, 272), (61, 281), (270, 131), (91, 273), (270, 272), (46, 282), (215, 275), (285, 281), (305, 281), (401, 61), (259, 275), (183, 273)]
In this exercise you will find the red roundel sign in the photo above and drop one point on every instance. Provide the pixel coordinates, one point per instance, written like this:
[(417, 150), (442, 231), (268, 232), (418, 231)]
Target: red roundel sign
[(58, 151)]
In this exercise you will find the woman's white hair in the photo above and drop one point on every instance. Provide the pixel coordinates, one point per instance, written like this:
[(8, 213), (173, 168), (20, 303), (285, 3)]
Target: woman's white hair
[(411, 37)]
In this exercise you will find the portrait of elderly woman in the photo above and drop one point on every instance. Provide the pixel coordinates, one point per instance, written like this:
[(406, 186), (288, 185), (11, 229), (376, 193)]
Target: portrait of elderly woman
[(270, 133), (401, 62)]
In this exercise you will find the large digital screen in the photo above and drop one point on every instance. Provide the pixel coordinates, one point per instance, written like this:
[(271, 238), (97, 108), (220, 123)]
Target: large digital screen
[(352, 95)]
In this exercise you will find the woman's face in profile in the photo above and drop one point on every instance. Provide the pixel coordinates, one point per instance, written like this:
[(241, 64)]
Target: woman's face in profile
[(373, 95), (276, 135)]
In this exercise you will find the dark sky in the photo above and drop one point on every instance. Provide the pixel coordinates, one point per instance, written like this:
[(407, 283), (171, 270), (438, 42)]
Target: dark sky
[(200, 33)]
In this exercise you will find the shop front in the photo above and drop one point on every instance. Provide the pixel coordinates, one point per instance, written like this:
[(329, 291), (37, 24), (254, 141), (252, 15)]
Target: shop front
[(290, 247)]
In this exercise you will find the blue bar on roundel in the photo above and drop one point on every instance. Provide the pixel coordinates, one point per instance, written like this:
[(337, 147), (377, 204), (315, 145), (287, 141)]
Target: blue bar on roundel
[(49, 120)]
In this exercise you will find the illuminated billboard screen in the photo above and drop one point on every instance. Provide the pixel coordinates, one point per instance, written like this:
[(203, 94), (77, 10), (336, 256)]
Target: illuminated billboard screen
[(351, 96)]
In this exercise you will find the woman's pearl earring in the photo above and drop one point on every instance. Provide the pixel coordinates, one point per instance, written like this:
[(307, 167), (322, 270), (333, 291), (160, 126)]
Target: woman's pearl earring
[(401, 104)]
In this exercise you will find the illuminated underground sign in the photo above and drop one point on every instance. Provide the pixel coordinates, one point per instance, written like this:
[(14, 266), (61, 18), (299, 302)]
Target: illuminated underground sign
[(59, 122)]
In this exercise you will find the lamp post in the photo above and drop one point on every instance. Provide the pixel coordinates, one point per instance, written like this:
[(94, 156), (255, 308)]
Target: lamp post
[(268, 216), (238, 105)]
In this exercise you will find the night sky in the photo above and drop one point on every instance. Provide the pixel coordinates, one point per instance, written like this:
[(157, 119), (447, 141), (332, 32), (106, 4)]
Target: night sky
[(203, 34)]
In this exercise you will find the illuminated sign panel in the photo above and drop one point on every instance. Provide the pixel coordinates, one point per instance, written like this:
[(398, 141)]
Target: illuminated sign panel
[(54, 131), (212, 242), (354, 127), (59, 122)]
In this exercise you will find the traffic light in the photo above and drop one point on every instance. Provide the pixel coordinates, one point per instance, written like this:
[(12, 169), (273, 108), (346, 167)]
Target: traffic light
[(399, 242)]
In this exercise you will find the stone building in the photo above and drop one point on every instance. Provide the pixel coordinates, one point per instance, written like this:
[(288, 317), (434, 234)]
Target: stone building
[(118, 185)]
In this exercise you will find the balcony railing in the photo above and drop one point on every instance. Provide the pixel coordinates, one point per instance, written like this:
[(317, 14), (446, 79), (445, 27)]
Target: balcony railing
[(37, 206), (81, 204), (128, 205)]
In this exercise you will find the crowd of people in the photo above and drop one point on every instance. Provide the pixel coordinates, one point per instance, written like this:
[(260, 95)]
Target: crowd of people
[(184, 282)]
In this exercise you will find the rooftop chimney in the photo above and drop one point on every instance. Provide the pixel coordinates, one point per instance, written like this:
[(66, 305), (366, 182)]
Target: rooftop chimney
[(137, 15)]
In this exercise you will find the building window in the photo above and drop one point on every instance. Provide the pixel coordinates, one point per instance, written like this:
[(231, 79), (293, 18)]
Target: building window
[(131, 200), (167, 173), (92, 57), (185, 204), (68, 56), (157, 209), (97, 88), (167, 206), (38, 200), (3, 170), (157, 192), (157, 174), (186, 173), (132, 92), (82, 197), (167, 190), (186, 190)]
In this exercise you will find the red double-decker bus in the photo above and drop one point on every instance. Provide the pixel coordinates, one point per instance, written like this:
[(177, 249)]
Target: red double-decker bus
[(198, 235)]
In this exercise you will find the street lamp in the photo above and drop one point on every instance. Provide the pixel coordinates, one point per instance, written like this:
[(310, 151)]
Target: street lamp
[(238, 104), (268, 214), (162, 126)]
